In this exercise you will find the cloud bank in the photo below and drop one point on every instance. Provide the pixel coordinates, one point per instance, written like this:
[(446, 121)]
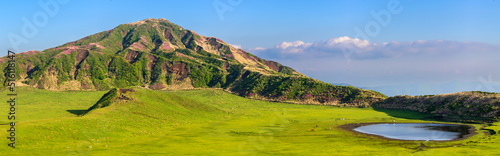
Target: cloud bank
[(353, 48), (237, 46), (363, 63)]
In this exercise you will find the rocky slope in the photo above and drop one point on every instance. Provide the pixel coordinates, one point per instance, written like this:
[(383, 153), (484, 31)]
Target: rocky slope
[(157, 54), (463, 105)]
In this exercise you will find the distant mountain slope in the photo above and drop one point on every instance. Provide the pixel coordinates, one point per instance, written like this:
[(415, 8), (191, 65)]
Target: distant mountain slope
[(463, 105), (157, 54)]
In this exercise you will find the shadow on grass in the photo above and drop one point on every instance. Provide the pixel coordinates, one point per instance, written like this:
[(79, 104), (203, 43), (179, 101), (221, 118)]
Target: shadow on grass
[(492, 132), (77, 112)]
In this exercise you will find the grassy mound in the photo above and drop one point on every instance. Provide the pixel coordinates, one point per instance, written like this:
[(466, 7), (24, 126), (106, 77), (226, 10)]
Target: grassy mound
[(105, 100)]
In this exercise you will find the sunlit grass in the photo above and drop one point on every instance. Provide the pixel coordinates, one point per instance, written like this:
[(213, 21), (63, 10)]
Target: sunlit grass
[(198, 122)]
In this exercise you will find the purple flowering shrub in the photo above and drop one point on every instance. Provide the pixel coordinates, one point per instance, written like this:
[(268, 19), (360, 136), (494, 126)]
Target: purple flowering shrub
[(157, 86), (137, 46), (242, 52), (166, 46), (85, 85), (68, 49)]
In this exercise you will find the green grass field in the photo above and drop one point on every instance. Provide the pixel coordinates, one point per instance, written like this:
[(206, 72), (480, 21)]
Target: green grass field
[(208, 122)]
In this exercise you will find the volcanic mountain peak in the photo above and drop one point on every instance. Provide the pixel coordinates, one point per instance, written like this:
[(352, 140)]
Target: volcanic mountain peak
[(149, 20), (155, 36)]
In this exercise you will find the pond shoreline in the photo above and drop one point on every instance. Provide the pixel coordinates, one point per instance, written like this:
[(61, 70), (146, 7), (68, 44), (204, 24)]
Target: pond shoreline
[(351, 126)]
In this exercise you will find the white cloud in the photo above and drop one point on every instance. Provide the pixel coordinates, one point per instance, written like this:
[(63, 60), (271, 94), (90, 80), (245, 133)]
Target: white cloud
[(237, 46), (293, 47), (347, 40), (257, 49), (294, 44)]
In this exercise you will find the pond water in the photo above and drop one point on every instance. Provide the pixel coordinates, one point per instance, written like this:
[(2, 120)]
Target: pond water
[(416, 131)]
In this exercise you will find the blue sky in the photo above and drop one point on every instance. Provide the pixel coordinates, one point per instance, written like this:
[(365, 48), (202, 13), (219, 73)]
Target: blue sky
[(471, 25)]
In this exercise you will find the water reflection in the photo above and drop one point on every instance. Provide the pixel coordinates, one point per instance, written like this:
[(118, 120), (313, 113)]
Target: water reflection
[(416, 131)]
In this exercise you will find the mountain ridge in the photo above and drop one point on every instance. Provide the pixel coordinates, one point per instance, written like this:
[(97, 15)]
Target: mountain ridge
[(460, 107)]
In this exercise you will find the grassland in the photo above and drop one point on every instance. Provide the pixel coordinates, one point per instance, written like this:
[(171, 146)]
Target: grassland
[(209, 121)]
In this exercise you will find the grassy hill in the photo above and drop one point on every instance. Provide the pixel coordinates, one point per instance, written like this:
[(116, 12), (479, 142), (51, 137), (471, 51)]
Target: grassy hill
[(201, 121)]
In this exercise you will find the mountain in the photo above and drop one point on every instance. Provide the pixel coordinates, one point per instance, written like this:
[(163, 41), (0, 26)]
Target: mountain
[(158, 54)]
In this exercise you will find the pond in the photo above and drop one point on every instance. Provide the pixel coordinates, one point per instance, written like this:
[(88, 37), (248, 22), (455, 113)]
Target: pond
[(416, 131)]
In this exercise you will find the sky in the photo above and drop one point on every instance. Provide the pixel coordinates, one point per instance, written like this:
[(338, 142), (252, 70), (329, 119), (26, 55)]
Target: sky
[(365, 43)]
